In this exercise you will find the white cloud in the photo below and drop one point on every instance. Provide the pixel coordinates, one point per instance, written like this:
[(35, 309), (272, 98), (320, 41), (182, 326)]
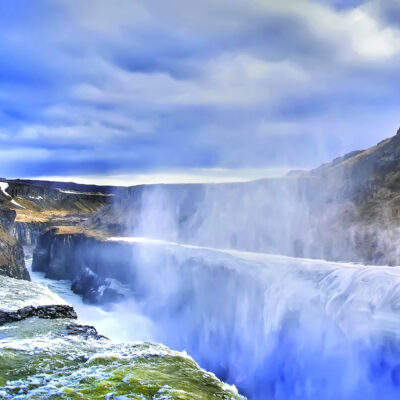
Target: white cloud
[(369, 39)]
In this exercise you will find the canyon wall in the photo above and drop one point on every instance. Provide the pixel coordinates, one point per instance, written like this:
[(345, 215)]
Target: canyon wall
[(12, 262), (27, 210), (100, 271)]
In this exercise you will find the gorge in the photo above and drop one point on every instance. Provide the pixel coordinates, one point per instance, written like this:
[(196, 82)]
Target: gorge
[(287, 288)]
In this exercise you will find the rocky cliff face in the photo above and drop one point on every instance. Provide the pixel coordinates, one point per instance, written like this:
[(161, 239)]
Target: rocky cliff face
[(369, 184), (27, 210), (41, 207), (12, 262), (27, 233)]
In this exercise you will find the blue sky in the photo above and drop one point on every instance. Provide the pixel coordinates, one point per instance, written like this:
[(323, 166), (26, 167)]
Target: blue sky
[(101, 87)]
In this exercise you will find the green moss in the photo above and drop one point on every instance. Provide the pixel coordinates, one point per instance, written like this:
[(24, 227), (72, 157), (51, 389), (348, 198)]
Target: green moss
[(37, 361)]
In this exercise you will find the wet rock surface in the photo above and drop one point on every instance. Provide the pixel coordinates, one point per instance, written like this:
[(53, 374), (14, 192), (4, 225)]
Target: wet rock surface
[(45, 312), (85, 331)]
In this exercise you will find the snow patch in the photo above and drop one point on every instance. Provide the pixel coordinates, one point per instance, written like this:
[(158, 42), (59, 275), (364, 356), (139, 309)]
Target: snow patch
[(69, 191), (3, 187), (16, 204)]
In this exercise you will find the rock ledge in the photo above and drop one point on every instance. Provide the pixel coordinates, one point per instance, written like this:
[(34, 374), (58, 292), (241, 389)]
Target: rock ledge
[(46, 312)]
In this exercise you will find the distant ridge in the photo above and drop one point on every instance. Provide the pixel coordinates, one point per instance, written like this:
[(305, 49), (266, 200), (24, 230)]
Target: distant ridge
[(78, 187)]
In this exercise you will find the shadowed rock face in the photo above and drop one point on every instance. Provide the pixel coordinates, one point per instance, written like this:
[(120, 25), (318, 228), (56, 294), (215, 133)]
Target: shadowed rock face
[(97, 269), (27, 233), (45, 312), (12, 262), (86, 331)]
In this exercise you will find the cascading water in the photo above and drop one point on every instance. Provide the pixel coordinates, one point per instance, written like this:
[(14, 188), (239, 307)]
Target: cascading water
[(277, 327)]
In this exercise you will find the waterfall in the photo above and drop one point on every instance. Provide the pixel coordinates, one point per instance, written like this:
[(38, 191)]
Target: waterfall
[(275, 326), (202, 278)]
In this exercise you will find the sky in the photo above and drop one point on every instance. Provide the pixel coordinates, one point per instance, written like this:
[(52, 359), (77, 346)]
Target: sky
[(141, 87)]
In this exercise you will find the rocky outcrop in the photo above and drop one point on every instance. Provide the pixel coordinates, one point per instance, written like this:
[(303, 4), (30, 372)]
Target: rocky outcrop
[(45, 312), (12, 262), (7, 218), (85, 331), (20, 300)]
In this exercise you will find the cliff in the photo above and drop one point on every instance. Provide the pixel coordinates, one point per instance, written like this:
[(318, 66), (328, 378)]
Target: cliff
[(96, 268), (20, 300), (27, 210), (12, 262)]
